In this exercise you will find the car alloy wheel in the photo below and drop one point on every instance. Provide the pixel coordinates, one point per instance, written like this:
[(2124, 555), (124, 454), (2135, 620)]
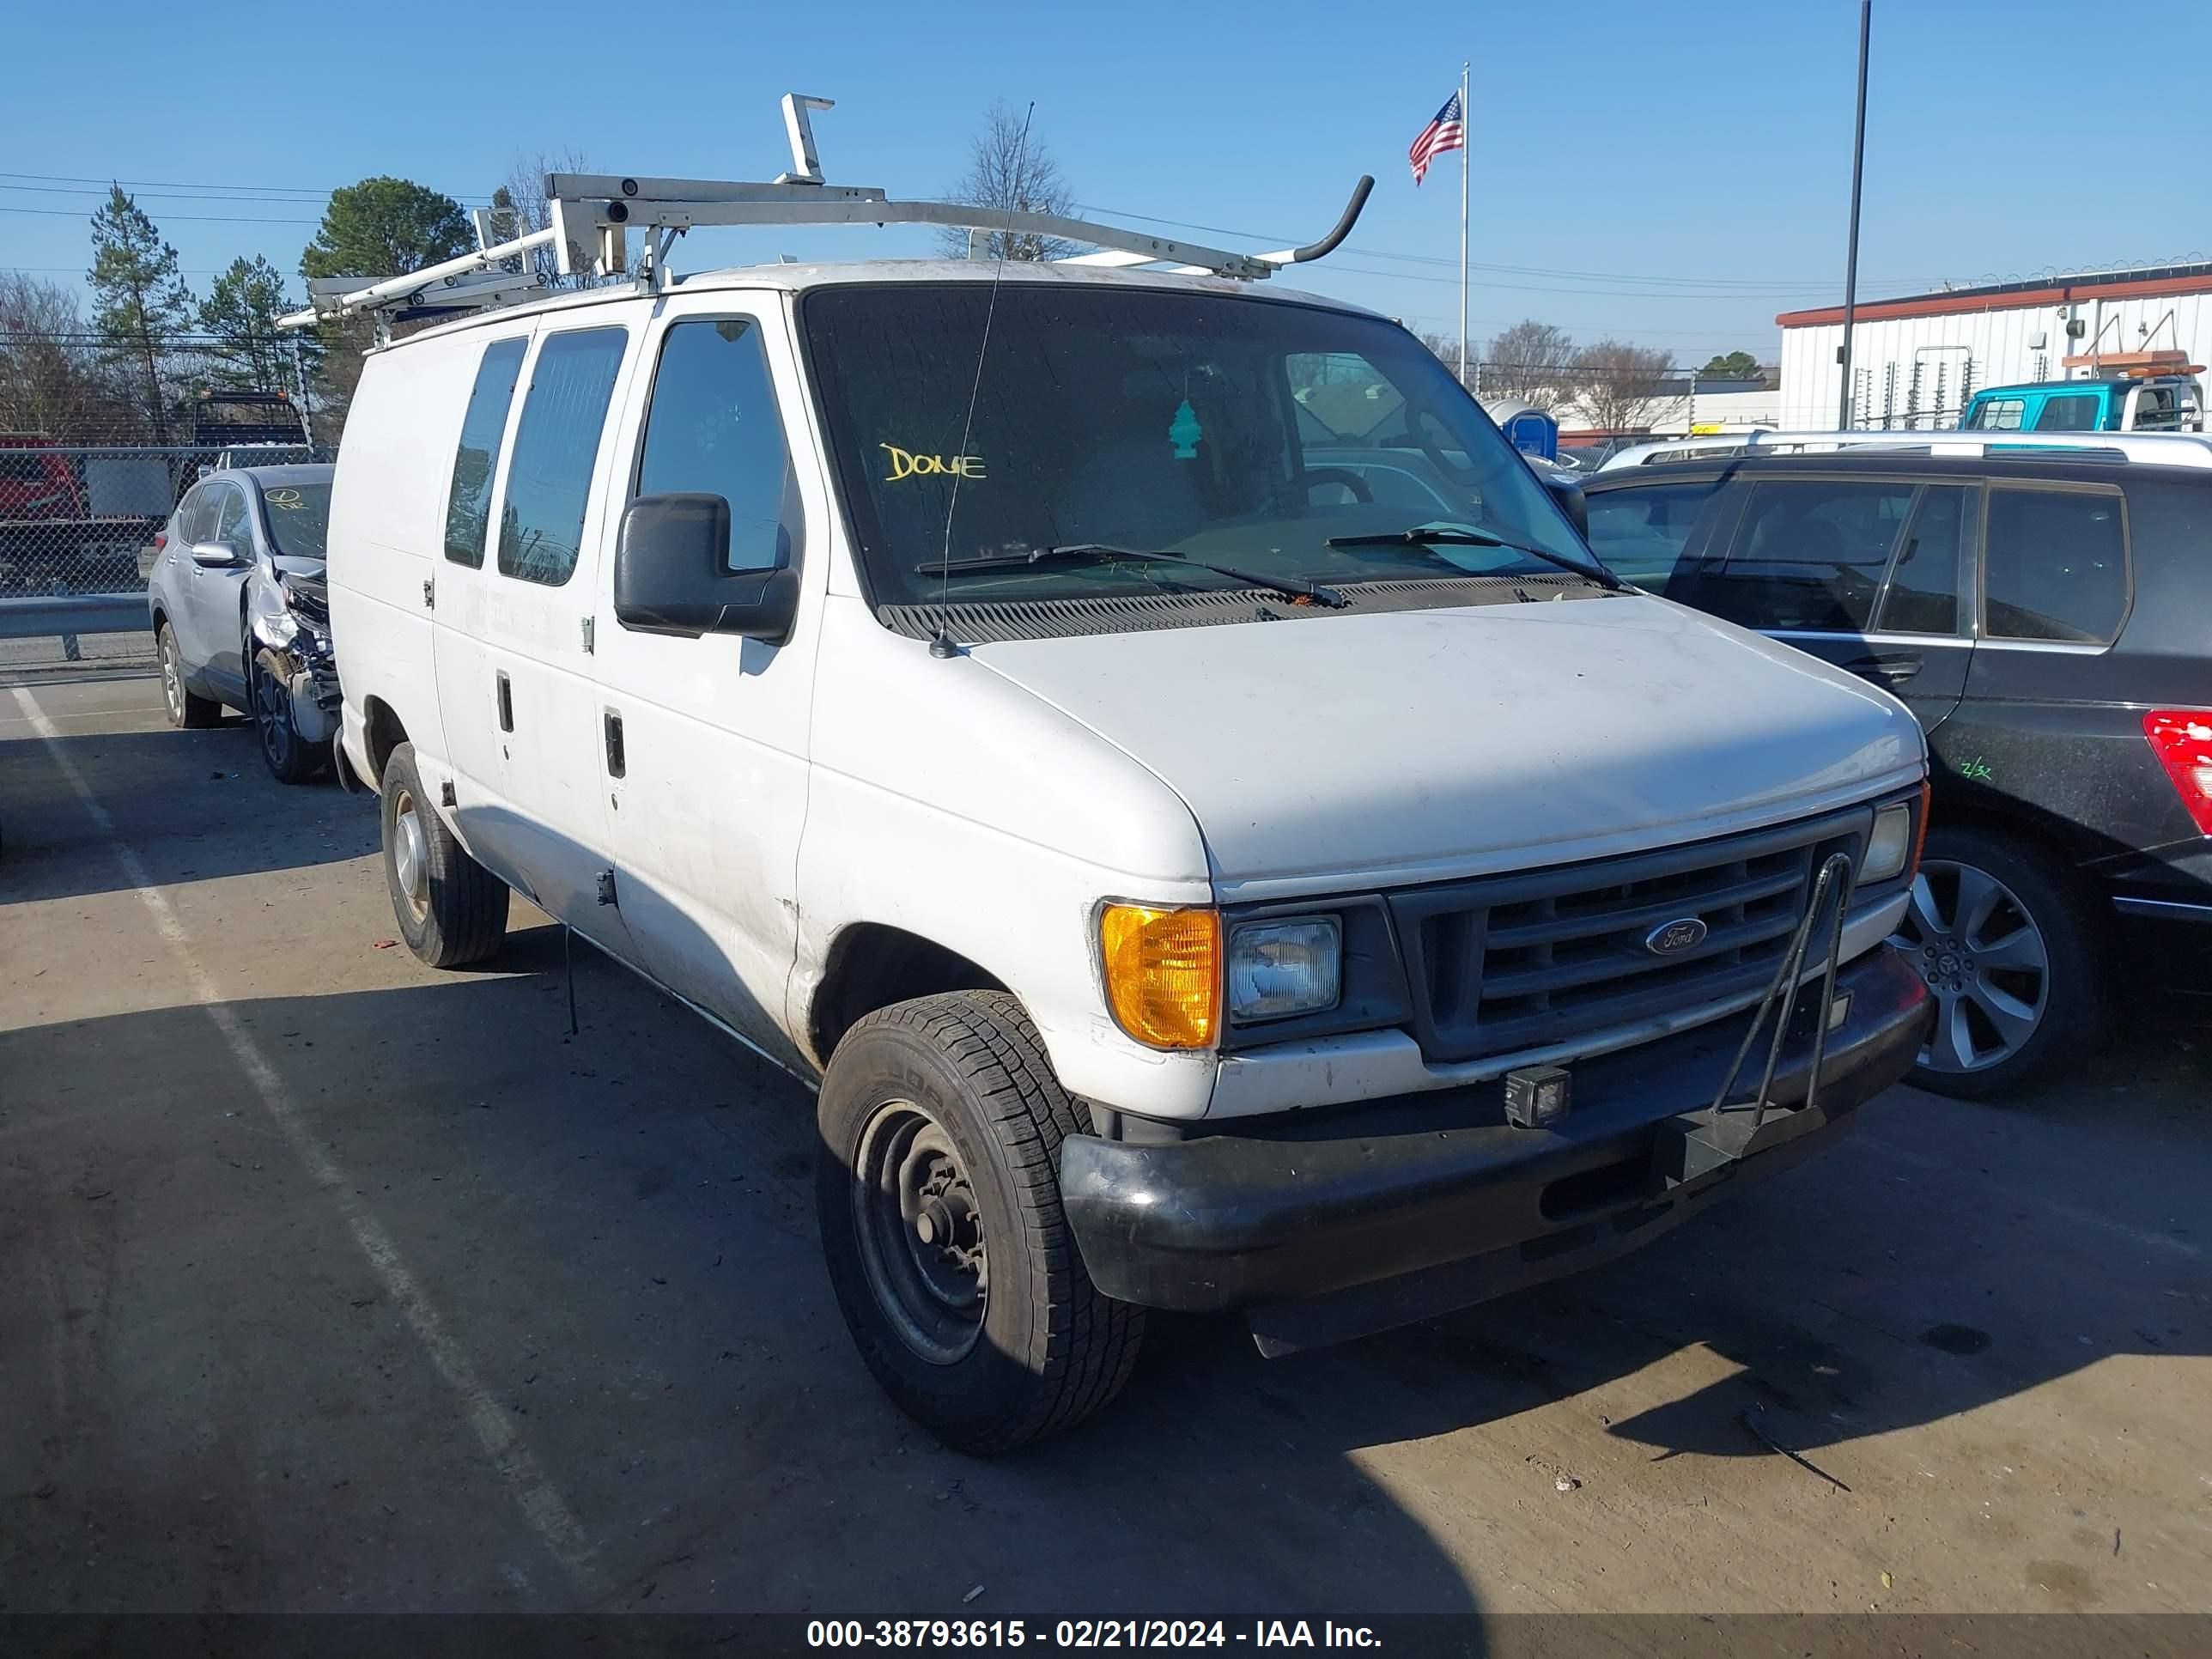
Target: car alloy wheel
[(1985, 959), (173, 678), (920, 1234), (272, 716)]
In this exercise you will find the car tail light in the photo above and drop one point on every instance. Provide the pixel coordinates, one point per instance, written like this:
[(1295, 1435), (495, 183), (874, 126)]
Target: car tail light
[(2182, 739)]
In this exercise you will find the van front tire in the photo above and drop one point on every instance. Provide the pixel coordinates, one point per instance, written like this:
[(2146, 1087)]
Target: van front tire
[(938, 1189), (451, 910)]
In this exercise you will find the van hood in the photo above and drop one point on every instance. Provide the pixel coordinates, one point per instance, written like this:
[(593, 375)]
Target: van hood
[(1422, 745)]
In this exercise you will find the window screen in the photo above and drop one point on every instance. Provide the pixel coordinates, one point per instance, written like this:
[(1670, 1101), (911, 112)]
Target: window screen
[(714, 427), (2075, 411), (1810, 554), (548, 483), (477, 456), (2057, 566), (1923, 588)]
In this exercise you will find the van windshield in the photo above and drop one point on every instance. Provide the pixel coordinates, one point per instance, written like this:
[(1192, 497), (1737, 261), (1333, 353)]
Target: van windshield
[(1245, 432)]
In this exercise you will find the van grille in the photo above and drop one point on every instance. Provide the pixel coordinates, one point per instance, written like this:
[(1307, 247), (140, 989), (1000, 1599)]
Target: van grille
[(1514, 962)]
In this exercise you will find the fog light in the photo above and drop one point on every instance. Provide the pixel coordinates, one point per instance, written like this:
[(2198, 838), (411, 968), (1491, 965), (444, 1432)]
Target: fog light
[(1537, 1097), (1890, 845)]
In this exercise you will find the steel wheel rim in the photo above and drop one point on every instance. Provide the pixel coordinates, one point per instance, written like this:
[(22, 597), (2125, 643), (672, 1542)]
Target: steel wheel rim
[(172, 677), (1985, 960), (921, 1233), (269, 716), (410, 854)]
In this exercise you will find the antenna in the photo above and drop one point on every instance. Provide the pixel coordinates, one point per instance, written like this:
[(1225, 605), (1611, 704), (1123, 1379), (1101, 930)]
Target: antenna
[(942, 645)]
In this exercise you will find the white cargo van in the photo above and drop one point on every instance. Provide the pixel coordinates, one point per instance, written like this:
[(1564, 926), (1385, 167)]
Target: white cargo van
[(1155, 754)]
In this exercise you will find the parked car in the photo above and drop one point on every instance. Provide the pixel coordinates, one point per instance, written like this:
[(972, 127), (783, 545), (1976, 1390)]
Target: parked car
[(2117, 403), (239, 612), (2045, 618), (1196, 878)]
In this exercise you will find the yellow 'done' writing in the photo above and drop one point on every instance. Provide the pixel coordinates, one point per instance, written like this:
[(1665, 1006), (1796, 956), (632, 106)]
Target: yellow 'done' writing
[(907, 465)]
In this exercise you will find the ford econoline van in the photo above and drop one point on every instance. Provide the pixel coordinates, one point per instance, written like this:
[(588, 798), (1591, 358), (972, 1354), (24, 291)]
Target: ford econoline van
[(1153, 756)]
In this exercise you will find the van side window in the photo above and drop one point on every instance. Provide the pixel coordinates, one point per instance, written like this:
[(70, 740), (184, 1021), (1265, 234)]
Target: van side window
[(2070, 411), (2056, 566), (1810, 554), (548, 483), (477, 457), (714, 427), (1923, 588)]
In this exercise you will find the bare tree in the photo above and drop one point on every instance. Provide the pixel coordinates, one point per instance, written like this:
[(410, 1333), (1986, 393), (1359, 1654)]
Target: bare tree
[(1530, 361), (1622, 386), (1445, 349), (50, 383), (1010, 168), (518, 207)]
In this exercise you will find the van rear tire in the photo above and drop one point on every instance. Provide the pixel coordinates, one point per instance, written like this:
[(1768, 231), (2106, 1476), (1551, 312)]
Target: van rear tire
[(938, 1189), (451, 910)]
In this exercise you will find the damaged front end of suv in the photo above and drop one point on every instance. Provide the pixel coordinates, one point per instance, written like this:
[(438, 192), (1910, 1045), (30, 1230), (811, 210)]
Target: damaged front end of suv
[(292, 673)]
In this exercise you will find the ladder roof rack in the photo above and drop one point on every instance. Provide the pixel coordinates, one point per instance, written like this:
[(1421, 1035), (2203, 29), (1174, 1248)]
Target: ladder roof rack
[(591, 216)]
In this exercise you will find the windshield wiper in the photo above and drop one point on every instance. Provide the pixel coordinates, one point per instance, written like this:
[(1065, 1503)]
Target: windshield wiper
[(1459, 536), (1293, 587)]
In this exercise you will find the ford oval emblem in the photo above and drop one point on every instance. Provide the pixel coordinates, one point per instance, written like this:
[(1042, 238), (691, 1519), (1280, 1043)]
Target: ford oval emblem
[(1671, 938)]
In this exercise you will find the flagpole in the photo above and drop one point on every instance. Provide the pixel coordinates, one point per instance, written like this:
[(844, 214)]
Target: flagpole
[(1464, 146)]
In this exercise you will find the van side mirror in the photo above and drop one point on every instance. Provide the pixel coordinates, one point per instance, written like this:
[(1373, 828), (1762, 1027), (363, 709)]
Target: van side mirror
[(216, 555), (1569, 494), (672, 575)]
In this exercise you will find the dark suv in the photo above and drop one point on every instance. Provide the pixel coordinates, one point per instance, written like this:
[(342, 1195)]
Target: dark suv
[(2046, 619)]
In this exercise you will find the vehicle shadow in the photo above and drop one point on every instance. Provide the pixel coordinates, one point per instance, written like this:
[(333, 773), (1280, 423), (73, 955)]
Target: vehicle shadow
[(617, 1230), (181, 799)]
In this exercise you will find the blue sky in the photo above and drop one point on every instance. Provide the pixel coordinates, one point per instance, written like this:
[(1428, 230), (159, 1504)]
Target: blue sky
[(1688, 164)]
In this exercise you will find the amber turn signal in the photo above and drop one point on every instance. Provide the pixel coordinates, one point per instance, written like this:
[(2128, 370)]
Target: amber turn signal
[(1162, 973)]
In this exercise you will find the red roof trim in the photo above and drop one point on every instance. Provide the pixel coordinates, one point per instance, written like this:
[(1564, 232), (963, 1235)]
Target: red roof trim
[(1945, 305)]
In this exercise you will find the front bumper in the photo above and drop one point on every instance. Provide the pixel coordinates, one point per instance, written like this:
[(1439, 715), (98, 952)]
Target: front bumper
[(1331, 1223)]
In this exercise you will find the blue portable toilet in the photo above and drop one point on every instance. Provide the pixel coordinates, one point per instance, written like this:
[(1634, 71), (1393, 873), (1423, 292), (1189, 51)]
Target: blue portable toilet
[(1526, 427)]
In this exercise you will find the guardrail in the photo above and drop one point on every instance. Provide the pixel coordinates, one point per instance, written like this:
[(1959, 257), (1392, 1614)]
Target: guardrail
[(66, 616)]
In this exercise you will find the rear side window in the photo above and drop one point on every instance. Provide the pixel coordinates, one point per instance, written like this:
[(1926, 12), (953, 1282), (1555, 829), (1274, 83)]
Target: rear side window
[(1810, 554), (2056, 566), (2075, 411), (1923, 588), (548, 483), (714, 427), (477, 456), (1639, 534), (1999, 414)]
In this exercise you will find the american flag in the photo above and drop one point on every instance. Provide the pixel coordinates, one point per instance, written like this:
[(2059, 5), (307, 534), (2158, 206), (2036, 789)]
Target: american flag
[(1447, 131)]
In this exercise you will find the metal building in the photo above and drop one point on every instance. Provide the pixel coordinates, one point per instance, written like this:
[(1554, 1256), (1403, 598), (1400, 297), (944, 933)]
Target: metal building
[(1916, 361)]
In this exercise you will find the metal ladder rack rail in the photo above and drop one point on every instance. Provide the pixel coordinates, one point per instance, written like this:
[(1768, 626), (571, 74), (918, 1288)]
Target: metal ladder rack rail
[(591, 215)]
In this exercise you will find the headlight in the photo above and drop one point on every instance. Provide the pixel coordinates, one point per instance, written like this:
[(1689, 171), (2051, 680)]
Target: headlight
[(1889, 848), (1281, 967), (1163, 970)]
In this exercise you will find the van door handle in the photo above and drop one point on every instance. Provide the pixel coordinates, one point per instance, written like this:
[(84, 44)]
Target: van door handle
[(1889, 670), (618, 762), (506, 702)]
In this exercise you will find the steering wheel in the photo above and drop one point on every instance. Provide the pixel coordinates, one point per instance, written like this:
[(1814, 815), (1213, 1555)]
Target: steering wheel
[(1341, 475)]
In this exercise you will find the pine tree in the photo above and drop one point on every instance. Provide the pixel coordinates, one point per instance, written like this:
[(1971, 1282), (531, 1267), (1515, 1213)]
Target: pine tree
[(240, 314), (142, 302)]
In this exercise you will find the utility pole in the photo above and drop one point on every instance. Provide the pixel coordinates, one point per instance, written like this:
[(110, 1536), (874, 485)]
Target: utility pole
[(1852, 261)]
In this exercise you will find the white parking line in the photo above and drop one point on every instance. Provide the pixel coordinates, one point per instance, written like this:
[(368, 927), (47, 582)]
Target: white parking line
[(543, 1507)]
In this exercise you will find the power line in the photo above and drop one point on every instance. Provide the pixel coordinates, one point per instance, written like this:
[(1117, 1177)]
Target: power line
[(174, 218)]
